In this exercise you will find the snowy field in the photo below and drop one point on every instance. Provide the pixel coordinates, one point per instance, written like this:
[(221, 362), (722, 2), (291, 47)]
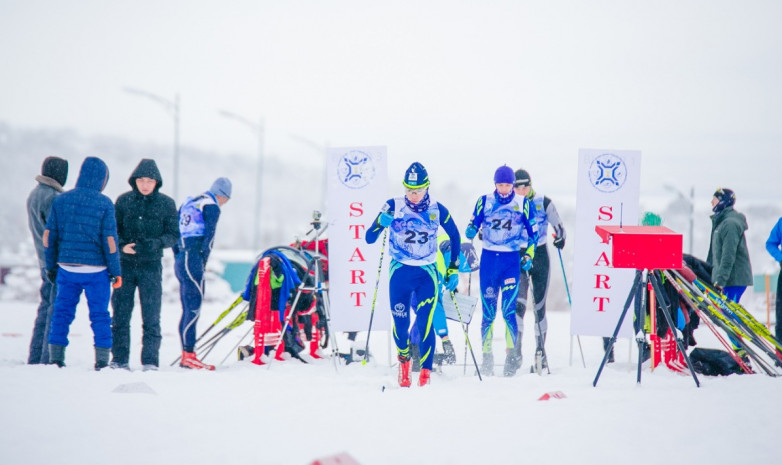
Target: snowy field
[(292, 413)]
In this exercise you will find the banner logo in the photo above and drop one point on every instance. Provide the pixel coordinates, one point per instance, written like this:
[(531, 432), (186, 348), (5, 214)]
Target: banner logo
[(607, 173), (355, 169)]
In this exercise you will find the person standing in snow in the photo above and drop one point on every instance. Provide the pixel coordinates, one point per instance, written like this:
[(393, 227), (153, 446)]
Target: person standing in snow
[(147, 223), (414, 282), (54, 173), (774, 247), (545, 214), (501, 216), (728, 255), (80, 245), (198, 218)]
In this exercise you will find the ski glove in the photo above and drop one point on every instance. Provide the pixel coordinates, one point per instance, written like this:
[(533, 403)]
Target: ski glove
[(116, 282), (52, 274), (452, 277), (559, 242), (385, 219), (470, 232), (526, 262)]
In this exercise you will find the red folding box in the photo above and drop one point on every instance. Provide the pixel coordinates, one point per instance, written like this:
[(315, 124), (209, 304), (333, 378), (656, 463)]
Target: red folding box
[(643, 247)]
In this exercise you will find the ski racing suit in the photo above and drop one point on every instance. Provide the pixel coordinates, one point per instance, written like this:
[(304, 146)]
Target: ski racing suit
[(414, 282), (545, 214), (502, 221)]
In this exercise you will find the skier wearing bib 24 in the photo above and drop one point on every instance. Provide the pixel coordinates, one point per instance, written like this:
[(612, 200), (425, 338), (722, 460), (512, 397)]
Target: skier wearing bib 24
[(545, 214), (501, 216), (414, 280), (197, 226)]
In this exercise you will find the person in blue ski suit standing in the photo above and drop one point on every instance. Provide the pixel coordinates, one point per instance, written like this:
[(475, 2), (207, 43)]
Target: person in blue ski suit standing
[(774, 247), (198, 218), (80, 244), (414, 282), (545, 214), (54, 173), (501, 216)]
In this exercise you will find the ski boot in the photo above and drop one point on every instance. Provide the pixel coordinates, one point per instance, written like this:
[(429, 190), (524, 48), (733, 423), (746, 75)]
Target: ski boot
[(487, 365), (189, 360), (404, 372), (416, 358), (512, 363), (424, 377), (540, 362), (449, 355)]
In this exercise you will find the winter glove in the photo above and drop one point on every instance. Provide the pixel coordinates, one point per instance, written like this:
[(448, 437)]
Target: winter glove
[(52, 274), (116, 282), (452, 277), (559, 242), (526, 262), (717, 287), (385, 219), (470, 232)]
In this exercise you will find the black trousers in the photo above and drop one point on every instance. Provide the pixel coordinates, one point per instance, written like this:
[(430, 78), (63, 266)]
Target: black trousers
[(538, 278), (147, 277)]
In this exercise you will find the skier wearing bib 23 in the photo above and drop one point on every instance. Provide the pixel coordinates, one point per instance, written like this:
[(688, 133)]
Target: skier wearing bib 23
[(501, 215), (414, 280)]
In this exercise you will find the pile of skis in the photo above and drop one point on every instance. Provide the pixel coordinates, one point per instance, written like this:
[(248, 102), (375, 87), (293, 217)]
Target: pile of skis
[(749, 343)]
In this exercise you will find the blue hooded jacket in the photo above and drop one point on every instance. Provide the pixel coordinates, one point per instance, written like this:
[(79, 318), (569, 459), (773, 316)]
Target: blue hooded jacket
[(81, 228)]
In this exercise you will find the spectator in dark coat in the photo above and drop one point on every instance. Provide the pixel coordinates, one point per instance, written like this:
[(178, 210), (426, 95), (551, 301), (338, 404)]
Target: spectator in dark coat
[(80, 244), (147, 223), (54, 173), (728, 255)]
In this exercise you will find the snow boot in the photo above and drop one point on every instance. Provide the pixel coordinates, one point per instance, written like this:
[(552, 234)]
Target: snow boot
[(416, 358), (102, 356), (57, 355), (512, 363), (114, 365), (424, 377), (487, 365), (404, 372), (189, 360), (449, 355)]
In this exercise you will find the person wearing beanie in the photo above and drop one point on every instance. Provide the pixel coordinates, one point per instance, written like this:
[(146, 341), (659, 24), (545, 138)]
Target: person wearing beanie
[(501, 216), (147, 223), (545, 214), (414, 282), (728, 254), (54, 173), (198, 218), (80, 248)]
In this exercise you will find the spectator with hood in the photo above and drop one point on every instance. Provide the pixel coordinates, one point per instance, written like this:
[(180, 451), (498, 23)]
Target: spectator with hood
[(54, 173), (80, 244), (728, 255), (147, 223)]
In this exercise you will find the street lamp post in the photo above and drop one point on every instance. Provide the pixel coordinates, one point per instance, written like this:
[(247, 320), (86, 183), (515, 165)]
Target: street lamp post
[(258, 129), (171, 108)]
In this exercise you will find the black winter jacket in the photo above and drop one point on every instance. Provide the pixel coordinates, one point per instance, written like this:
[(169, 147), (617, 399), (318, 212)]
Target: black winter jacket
[(149, 221)]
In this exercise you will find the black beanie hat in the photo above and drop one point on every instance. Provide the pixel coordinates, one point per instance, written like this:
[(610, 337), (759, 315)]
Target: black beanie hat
[(522, 179), (55, 168)]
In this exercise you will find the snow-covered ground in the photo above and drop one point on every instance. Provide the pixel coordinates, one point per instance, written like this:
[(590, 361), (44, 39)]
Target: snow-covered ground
[(292, 413)]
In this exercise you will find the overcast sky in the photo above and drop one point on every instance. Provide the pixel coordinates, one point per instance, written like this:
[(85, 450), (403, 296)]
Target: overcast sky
[(461, 86)]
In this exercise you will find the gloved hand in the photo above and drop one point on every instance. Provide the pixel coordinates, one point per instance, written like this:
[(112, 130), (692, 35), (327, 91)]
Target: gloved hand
[(718, 288), (526, 262), (52, 274), (471, 231), (385, 219), (116, 282), (452, 277), (559, 242)]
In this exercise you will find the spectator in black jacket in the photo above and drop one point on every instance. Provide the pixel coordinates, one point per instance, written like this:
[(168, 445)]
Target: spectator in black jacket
[(147, 223)]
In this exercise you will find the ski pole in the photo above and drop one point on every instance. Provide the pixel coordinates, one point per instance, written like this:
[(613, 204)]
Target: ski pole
[(570, 303), (374, 297), (219, 318), (466, 337)]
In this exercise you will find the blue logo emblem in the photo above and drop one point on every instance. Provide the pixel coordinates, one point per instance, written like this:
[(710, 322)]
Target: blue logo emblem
[(356, 169), (608, 173)]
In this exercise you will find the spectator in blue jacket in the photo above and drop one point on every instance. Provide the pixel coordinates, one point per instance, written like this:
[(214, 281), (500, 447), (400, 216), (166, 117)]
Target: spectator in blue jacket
[(54, 173), (774, 247), (197, 226), (80, 243)]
